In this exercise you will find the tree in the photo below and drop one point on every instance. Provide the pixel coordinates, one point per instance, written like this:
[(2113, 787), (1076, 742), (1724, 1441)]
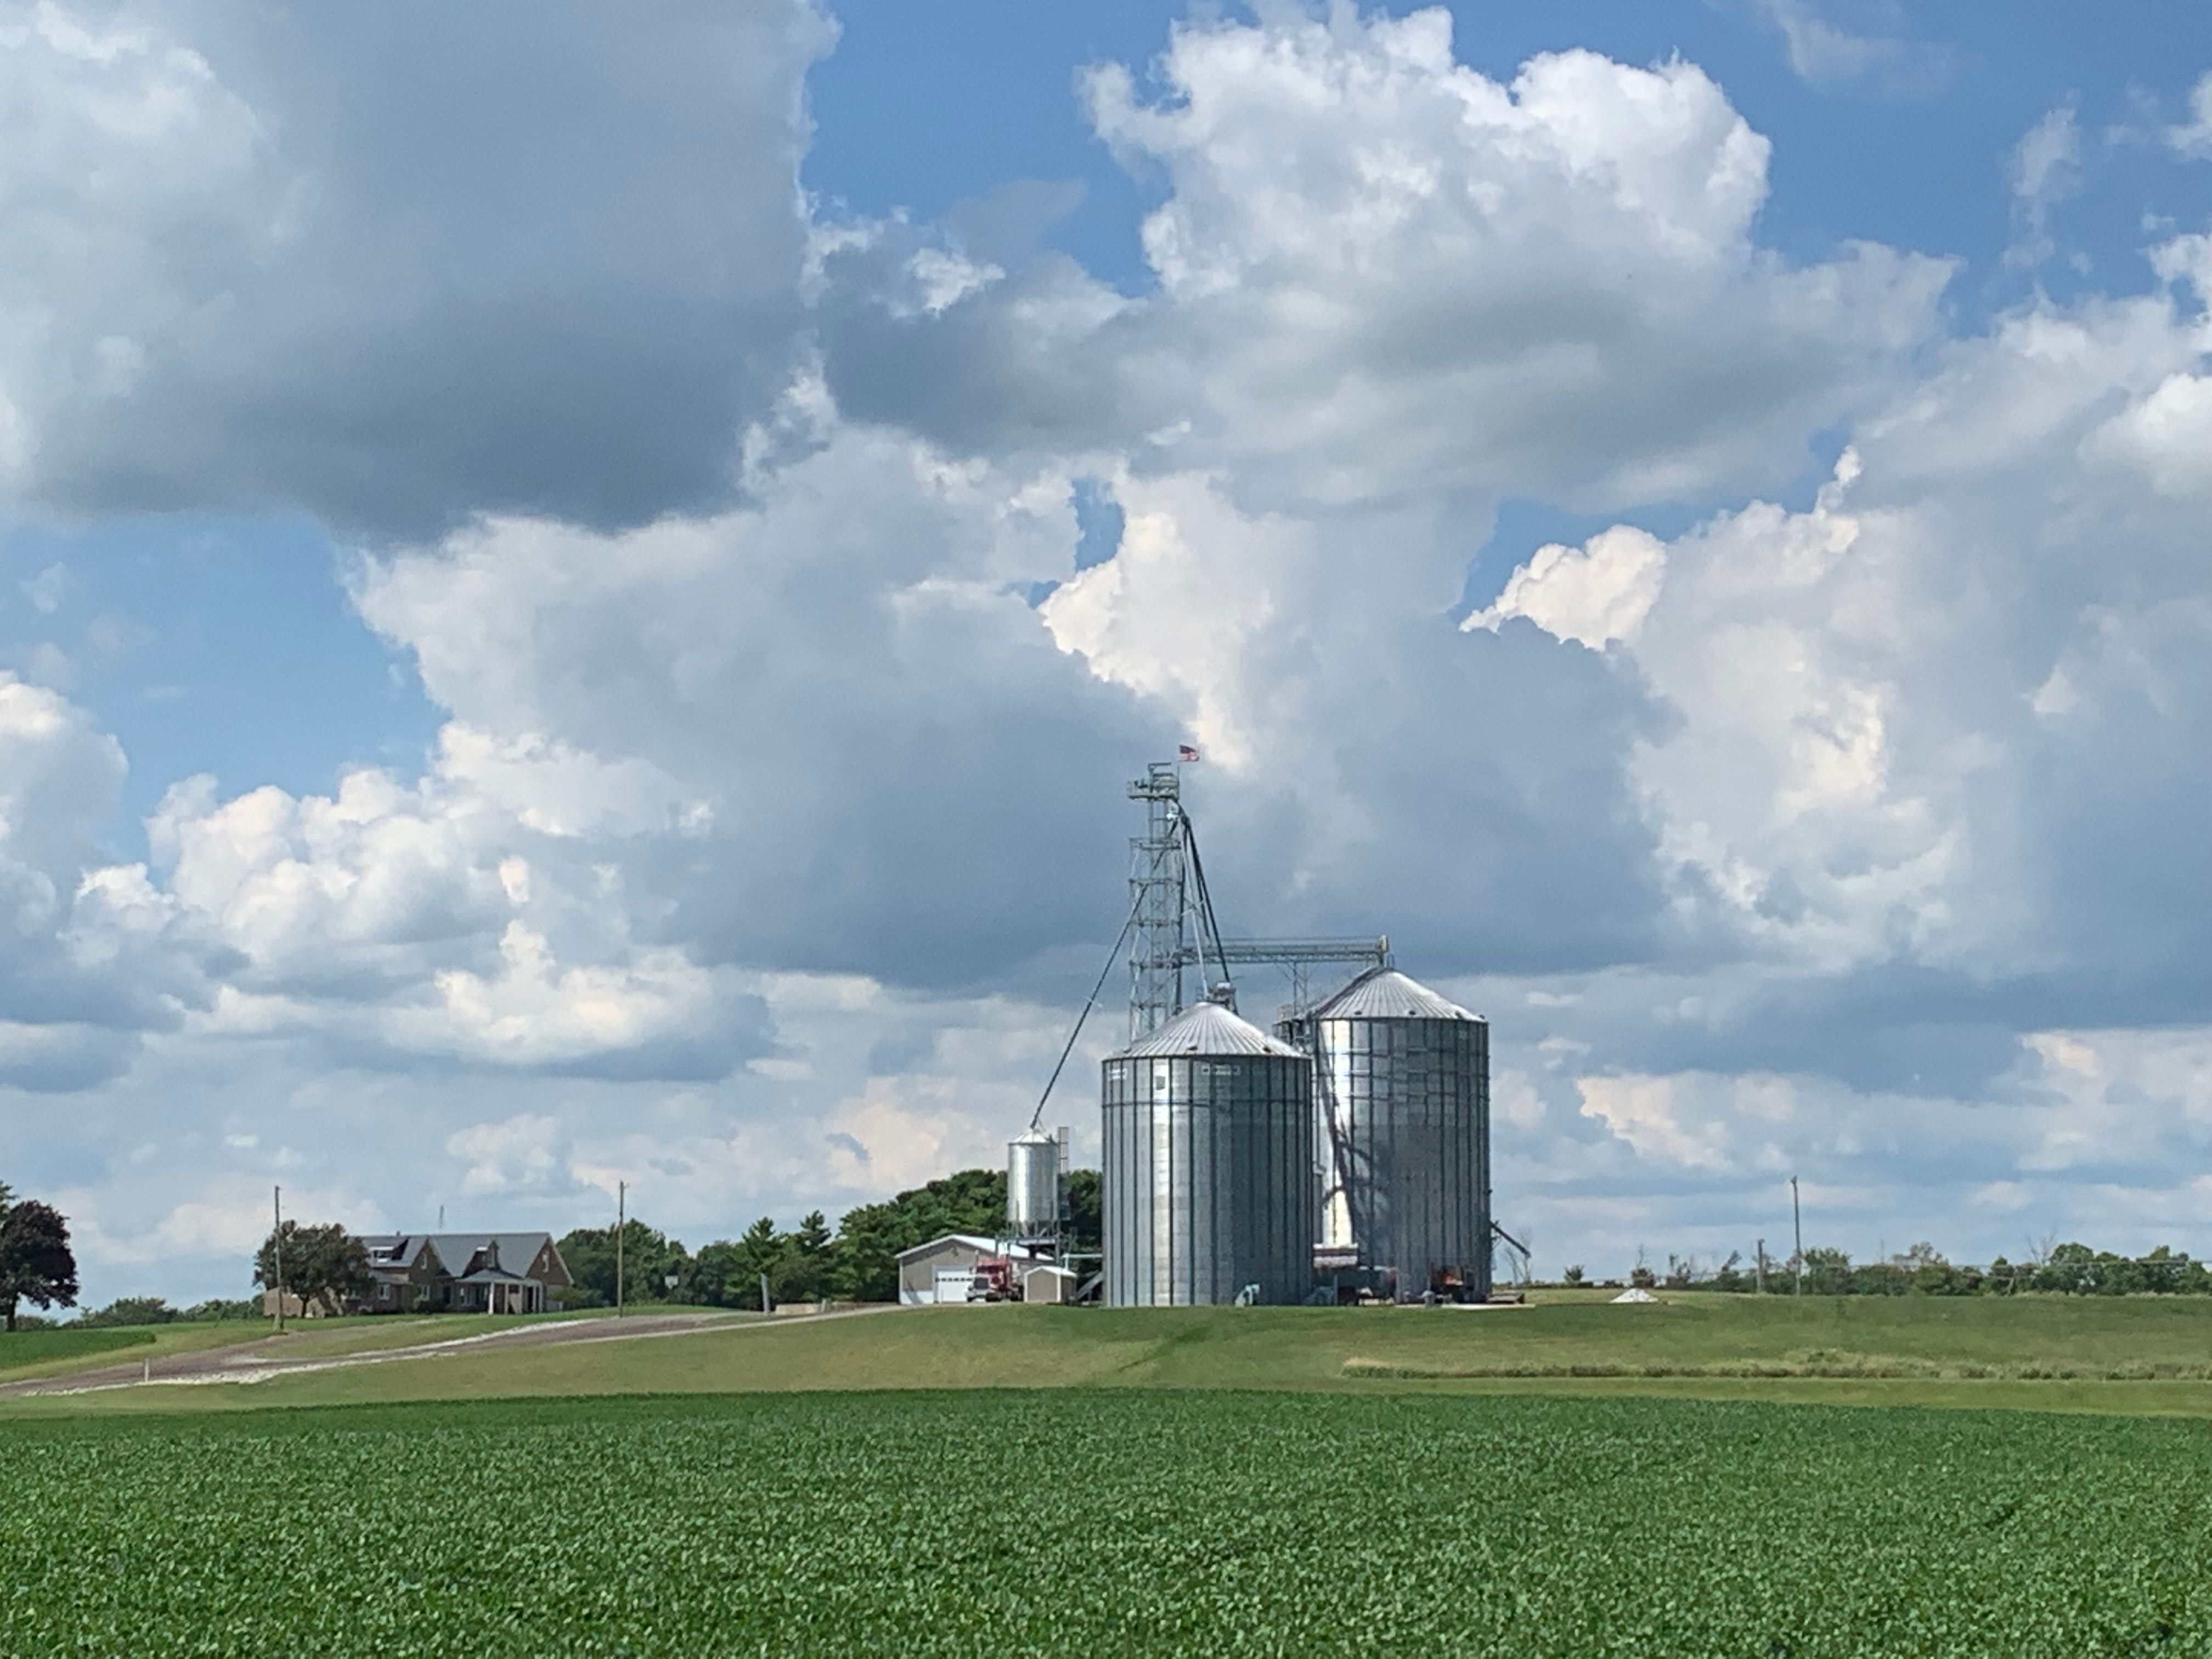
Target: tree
[(1827, 1271), (802, 1270), (760, 1251), (648, 1257), (325, 1266), (132, 1310), (36, 1263), (1574, 1275), (714, 1278), (1085, 1209)]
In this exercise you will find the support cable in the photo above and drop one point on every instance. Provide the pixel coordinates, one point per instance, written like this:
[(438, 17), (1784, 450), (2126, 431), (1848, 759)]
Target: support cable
[(1208, 926), (1112, 956)]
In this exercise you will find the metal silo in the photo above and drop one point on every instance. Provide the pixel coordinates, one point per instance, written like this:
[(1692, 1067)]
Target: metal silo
[(1401, 1086), (1033, 1186), (1208, 1155)]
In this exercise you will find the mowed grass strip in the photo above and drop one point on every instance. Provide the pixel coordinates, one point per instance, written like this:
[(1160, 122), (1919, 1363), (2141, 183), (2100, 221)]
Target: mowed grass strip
[(1219, 1523)]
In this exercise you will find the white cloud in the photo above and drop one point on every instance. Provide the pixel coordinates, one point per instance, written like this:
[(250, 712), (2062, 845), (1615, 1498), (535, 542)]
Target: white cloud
[(535, 1012), (2193, 137), (2046, 170), (1825, 53), (1593, 597), (2167, 436), (1692, 1121), (527, 1151), (813, 710), (1381, 273)]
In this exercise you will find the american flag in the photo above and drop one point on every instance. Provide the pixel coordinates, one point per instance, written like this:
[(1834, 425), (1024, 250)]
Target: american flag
[(1185, 752)]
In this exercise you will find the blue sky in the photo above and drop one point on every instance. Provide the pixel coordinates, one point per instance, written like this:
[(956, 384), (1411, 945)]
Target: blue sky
[(578, 595)]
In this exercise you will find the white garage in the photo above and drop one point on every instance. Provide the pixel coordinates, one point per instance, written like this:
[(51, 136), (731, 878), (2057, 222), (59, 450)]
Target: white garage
[(941, 1270)]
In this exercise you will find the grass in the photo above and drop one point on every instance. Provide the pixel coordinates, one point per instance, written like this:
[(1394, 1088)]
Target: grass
[(62, 1350), (22, 1350), (1217, 1522), (2132, 1356), (329, 1339)]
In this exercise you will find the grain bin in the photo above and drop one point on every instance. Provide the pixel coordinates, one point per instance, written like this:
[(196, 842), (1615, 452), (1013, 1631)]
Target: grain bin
[(1208, 1153), (1402, 1086), (1033, 1174)]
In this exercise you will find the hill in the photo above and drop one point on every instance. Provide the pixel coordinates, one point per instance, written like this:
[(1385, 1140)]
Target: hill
[(2131, 1355)]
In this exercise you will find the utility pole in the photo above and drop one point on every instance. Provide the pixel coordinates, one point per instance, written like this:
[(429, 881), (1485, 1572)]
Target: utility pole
[(1762, 1267), (276, 1249), (764, 1306), (1797, 1222), (622, 1192)]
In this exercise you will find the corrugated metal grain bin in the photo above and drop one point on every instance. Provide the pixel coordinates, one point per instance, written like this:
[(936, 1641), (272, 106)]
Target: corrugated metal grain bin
[(1401, 1085), (1033, 1185), (1208, 1154)]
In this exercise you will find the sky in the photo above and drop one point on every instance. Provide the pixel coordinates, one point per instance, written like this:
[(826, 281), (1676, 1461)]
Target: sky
[(578, 592)]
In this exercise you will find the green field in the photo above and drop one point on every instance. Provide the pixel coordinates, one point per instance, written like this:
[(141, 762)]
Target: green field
[(1212, 1523), (2133, 1355), (22, 1352)]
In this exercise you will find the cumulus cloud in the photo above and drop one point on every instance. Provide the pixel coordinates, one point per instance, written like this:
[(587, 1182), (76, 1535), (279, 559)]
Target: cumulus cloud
[(1485, 773), (1594, 596), (395, 266), (91, 955), (1379, 271), (1937, 731), (878, 759)]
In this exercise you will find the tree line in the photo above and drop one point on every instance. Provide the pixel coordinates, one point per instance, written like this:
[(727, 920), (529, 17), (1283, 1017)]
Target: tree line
[(857, 1262), (2067, 1269), (327, 1269)]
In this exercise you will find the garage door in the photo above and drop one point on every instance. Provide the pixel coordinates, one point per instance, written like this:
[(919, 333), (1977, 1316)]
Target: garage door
[(952, 1283)]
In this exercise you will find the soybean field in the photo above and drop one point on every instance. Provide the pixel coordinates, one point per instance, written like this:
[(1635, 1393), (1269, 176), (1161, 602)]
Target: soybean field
[(1105, 1522)]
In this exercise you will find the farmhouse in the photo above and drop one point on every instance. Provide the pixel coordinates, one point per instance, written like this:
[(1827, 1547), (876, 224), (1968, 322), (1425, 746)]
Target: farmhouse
[(464, 1273)]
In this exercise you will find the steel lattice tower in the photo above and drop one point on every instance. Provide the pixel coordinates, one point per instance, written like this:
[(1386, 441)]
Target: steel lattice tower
[(1157, 870)]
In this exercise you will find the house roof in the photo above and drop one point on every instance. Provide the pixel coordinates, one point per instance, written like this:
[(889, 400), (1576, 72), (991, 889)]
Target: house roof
[(390, 1250), (975, 1239), (459, 1253)]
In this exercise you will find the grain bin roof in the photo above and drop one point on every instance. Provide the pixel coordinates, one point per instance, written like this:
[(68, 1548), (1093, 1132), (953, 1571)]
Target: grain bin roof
[(1207, 1028), (1386, 994)]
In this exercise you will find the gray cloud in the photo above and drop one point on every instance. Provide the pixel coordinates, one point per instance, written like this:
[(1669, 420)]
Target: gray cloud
[(394, 265)]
